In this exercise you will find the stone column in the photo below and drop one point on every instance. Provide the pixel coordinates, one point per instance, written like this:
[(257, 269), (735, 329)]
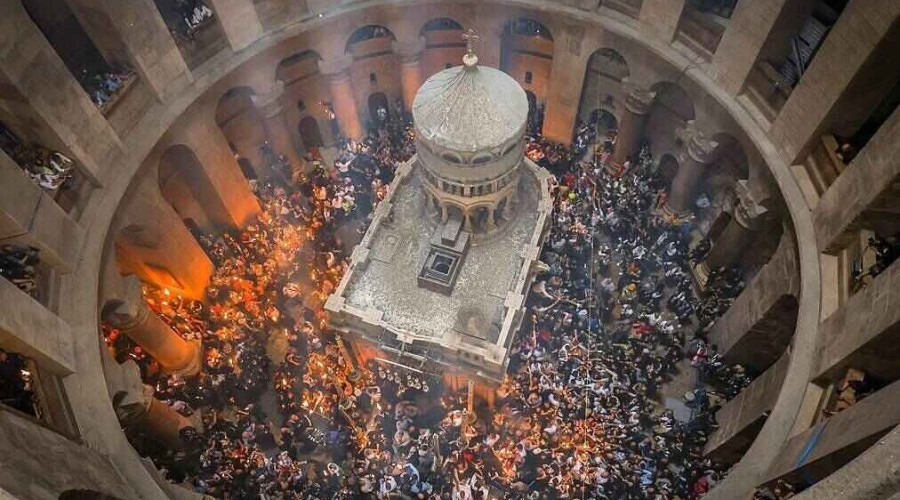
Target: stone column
[(137, 408), (338, 71), (238, 20), (410, 68), (747, 218), (153, 241), (699, 152), (164, 422), (491, 221), (269, 106), (565, 86), (467, 222), (638, 102), (147, 330)]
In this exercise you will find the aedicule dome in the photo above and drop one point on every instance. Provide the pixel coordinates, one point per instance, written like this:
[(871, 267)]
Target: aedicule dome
[(470, 109)]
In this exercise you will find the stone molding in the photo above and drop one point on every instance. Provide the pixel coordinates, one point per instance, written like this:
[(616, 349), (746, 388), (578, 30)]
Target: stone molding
[(639, 99), (697, 145)]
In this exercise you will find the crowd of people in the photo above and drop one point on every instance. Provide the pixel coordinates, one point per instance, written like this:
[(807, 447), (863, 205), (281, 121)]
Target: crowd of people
[(48, 169), (18, 265), (103, 88), (612, 315), (16, 383)]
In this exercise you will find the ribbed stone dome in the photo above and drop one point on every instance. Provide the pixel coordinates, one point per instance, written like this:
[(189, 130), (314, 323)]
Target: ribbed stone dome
[(470, 108)]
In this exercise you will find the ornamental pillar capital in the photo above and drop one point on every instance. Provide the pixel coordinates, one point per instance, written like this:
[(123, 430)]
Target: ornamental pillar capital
[(746, 209), (638, 99), (697, 145), (269, 103)]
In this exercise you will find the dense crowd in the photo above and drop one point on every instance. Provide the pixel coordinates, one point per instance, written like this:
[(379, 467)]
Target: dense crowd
[(48, 169), (16, 383), (612, 315), (103, 88), (18, 264)]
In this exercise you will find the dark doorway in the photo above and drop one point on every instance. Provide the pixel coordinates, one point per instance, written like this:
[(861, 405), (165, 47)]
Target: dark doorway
[(603, 120), (310, 133), (378, 101)]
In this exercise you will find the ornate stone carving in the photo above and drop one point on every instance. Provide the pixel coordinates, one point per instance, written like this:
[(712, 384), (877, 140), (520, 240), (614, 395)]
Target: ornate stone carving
[(745, 209), (125, 315), (269, 103), (638, 99), (697, 146)]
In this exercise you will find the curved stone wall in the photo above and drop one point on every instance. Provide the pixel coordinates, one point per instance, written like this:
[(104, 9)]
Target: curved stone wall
[(121, 160)]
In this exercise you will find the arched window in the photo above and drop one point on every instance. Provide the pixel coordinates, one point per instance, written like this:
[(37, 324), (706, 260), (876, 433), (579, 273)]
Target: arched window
[(529, 77)]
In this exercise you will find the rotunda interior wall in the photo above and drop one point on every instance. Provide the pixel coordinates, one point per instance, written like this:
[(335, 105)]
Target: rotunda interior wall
[(261, 69)]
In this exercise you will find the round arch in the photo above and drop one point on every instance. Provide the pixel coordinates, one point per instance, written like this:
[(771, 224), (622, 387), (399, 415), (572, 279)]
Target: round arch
[(444, 45), (441, 24), (731, 159), (310, 134), (186, 187), (298, 66), (234, 102), (672, 109), (526, 54), (366, 33), (602, 85), (376, 101), (240, 123), (526, 26), (668, 166)]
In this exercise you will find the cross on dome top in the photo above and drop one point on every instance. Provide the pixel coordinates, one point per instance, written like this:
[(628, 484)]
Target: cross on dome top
[(470, 59)]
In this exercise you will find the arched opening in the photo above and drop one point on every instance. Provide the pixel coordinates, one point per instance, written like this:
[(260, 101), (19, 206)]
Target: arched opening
[(185, 186), (527, 47), (194, 28), (668, 167), (241, 125), (310, 133), (246, 169), (368, 41), (136, 253), (297, 67), (441, 24), (535, 113), (454, 212), (443, 42), (603, 121), (603, 83), (731, 159), (379, 108), (671, 110)]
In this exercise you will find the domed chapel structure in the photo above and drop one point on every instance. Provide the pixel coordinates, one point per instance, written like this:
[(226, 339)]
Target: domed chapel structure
[(439, 281)]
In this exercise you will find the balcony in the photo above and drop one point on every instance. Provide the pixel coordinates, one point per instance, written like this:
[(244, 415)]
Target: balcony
[(700, 31), (631, 8), (765, 90)]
